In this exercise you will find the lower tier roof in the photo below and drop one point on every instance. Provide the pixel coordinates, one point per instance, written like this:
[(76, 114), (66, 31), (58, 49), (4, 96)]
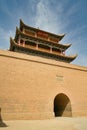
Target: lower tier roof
[(18, 48)]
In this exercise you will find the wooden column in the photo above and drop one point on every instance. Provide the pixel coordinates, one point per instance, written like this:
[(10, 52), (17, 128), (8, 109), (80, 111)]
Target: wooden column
[(35, 34), (48, 39), (19, 41), (61, 52), (50, 49), (23, 30), (37, 46), (23, 43)]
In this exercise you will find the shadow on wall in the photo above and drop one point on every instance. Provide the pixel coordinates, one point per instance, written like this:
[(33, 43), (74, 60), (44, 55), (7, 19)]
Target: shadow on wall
[(62, 106), (2, 124)]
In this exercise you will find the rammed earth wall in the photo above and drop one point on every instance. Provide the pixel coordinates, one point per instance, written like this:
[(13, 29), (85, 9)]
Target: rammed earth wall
[(32, 87)]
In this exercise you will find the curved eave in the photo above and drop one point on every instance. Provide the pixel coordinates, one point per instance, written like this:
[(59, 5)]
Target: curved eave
[(18, 32), (22, 24), (66, 46), (62, 46), (11, 44), (58, 57)]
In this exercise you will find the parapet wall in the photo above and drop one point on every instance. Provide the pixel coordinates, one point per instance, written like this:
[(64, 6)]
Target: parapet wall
[(29, 85)]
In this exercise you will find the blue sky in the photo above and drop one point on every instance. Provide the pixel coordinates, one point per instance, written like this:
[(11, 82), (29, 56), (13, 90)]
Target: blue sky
[(56, 16)]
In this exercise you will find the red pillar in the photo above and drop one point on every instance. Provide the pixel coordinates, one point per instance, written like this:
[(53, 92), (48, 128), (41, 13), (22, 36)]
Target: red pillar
[(50, 49), (23, 43), (37, 46), (18, 41)]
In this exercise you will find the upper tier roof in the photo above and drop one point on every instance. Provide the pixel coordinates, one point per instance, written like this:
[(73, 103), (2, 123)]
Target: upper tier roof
[(50, 43), (23, 25)]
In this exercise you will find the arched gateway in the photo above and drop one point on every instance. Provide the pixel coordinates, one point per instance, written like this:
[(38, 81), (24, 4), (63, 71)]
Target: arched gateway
[(62, 105)]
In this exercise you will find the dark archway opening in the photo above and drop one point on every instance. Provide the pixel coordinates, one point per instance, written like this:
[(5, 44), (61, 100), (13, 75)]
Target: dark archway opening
[(2, 124), (62, 106)]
